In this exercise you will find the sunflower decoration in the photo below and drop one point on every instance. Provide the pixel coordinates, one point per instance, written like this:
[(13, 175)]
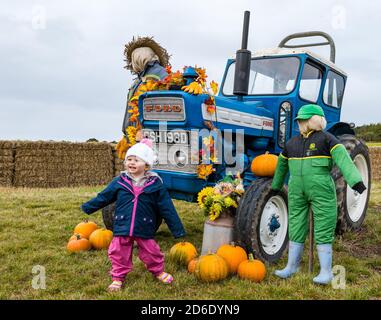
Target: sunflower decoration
[(222, 198), (203, 194)]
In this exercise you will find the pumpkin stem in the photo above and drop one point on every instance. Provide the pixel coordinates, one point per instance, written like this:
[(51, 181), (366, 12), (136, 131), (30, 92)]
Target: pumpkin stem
[(232, 243), (251, 257), (78, 236)]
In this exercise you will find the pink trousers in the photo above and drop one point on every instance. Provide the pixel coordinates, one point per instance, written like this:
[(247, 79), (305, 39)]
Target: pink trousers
[(120, 254)]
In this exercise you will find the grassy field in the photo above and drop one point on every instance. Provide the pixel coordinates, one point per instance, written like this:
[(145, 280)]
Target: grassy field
[(373, 144), (35, 225)]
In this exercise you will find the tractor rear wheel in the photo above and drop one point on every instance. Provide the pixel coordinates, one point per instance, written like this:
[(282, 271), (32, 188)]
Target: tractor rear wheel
[(108, 216), (352, 206), (261, 221)]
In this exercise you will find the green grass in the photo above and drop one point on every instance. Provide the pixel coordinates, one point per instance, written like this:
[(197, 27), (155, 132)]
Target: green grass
[(373, 144), (35, 225)]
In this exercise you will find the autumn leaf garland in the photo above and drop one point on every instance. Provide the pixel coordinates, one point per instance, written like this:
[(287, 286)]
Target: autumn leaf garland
[(172, 80)]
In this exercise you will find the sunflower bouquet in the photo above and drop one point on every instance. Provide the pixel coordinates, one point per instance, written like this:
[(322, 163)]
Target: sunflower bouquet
[(222, 198)]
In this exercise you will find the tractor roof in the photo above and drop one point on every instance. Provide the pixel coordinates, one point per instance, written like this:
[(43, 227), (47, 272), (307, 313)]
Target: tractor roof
[(286, 51)]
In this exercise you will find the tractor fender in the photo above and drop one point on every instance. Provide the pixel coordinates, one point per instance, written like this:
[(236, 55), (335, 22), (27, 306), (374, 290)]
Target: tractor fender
[(340, 128)]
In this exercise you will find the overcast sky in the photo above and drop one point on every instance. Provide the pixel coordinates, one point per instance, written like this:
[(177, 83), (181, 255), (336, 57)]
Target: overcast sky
[(61, 62)]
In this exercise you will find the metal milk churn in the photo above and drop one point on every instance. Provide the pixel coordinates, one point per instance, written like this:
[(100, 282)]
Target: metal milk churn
[(217, 233)]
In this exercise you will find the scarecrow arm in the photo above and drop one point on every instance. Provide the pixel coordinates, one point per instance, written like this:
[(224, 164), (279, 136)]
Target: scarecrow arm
[(344, 162), (280, 172)]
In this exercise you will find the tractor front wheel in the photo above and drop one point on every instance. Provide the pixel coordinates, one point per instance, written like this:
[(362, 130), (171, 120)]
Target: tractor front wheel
[(261, 221)]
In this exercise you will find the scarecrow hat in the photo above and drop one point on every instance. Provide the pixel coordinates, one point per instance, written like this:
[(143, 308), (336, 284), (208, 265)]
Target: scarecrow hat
[(309, 110), (145, 42)]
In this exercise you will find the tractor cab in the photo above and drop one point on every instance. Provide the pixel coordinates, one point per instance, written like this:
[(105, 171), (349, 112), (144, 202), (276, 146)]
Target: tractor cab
[(283, 79)]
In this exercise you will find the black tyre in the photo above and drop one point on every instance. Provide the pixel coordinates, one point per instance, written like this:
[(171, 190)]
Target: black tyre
[(108, 217), (261, 221), (352, 207)]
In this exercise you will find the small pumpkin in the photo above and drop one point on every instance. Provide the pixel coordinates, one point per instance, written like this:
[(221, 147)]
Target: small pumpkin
[(264, 165), (252, 269), (78, 244), (233, 256), (85, 228), (211, 268), (192, 265), (182, 253), (101, 238), (75, 236)]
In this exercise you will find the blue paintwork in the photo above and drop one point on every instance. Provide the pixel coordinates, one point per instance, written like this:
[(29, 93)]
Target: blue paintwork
[(186, 186)]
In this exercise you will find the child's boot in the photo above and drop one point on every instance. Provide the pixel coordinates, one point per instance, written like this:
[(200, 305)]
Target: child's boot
[(295, 251), (325, 259), (116, 285), (165, 277)]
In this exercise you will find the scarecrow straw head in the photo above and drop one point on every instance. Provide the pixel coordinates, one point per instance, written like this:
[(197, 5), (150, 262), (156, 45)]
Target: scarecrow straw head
[(145, 42)]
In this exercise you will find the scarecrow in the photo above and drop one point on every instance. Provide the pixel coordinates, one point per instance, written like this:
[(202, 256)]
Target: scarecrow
[(147, 60), (309, 158)]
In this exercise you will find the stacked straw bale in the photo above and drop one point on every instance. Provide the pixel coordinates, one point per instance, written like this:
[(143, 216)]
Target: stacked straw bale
[(118, 163), (7, 152), (375, 158), (48, 164)]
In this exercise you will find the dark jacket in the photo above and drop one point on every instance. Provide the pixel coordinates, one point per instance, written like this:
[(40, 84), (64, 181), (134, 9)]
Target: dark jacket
[(153, 70), (315, 154), (137, 208)]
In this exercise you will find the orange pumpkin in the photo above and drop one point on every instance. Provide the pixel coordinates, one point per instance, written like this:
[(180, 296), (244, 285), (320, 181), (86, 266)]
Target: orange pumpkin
[(78, 244), (252, 269), (192, 265), (75, 236), (233, 256), (183, 253), (85, 228), (211, 268), (264, 165), (101, 238)]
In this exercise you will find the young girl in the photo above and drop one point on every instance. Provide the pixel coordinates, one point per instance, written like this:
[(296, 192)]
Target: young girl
[(141, 201), (309, 158)]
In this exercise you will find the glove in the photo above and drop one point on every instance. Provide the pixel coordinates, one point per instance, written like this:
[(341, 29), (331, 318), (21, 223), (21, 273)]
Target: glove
[(359, 187)]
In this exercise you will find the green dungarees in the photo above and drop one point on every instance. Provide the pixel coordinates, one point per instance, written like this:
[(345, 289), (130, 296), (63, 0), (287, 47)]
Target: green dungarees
[(309, 160)]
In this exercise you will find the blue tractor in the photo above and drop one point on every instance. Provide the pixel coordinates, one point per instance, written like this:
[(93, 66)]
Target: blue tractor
[(259, 98)]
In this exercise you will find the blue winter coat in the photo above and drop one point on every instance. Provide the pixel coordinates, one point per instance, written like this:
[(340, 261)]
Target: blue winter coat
[(137, 208)]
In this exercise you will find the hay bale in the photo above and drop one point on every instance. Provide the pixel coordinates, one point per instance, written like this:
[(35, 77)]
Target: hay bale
[(375, 158), (118, 163), (7, 152), (48, 164)]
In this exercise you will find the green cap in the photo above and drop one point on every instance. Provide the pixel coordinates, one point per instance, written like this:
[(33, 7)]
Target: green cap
[(309, 110)]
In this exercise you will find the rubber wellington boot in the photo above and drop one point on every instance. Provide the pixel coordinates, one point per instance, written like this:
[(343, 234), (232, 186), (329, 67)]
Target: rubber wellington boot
[(295, 251), (325, 259)]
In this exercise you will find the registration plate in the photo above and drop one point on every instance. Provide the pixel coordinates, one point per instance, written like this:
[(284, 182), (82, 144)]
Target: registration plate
[(171, 137)]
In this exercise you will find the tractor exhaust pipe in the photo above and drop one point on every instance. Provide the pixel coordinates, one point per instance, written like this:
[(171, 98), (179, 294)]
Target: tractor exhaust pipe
[(242, 64)]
